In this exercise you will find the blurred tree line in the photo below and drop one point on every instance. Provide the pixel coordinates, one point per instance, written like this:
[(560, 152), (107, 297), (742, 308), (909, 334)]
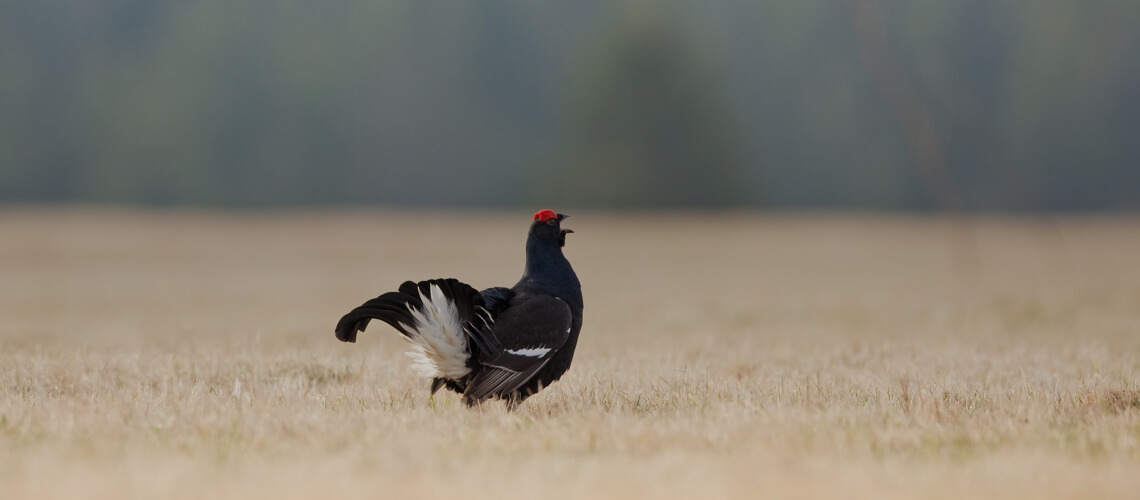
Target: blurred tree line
[(979, 104)]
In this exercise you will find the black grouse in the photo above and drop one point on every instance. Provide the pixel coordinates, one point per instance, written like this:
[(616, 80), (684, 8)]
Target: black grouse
[(504, 343)]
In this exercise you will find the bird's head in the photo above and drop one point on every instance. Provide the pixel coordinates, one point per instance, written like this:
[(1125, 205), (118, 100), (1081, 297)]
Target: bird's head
[(547, 226)]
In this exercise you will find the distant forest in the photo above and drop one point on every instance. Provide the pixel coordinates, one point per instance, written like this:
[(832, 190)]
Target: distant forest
[(871, 104)]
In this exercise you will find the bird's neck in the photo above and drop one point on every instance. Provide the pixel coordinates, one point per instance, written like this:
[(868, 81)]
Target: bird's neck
[(543, 258), (547, 269)]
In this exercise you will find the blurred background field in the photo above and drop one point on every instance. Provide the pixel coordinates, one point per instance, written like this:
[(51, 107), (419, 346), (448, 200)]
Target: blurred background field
[(979, 104), (187, 354)]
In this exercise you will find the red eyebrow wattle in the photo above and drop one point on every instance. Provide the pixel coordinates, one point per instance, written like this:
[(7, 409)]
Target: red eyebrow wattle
[(545, 215)]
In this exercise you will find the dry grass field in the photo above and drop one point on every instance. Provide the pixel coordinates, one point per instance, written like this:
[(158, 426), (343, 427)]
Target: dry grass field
[(190, 355)]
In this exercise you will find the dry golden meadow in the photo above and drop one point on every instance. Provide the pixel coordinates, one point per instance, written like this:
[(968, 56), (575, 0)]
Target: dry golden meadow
[(190, 355)]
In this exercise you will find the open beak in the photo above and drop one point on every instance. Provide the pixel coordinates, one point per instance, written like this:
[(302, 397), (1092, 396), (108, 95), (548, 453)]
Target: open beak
[(563, 216)]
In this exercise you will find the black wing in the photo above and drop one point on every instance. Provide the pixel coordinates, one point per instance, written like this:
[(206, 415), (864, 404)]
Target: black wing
[(496, 299), (522, 339)]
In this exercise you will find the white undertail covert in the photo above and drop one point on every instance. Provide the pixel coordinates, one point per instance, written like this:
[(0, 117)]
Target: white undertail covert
[(439, 346)]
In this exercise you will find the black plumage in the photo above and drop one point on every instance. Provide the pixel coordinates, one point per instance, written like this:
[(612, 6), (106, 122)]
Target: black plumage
[(506, 343)]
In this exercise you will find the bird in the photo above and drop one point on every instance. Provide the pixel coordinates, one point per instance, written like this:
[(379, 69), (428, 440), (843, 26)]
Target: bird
[(498, 343)]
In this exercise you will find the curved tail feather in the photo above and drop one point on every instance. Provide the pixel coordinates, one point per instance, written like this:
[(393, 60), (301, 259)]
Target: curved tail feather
[(432, 315), (393, 308)]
